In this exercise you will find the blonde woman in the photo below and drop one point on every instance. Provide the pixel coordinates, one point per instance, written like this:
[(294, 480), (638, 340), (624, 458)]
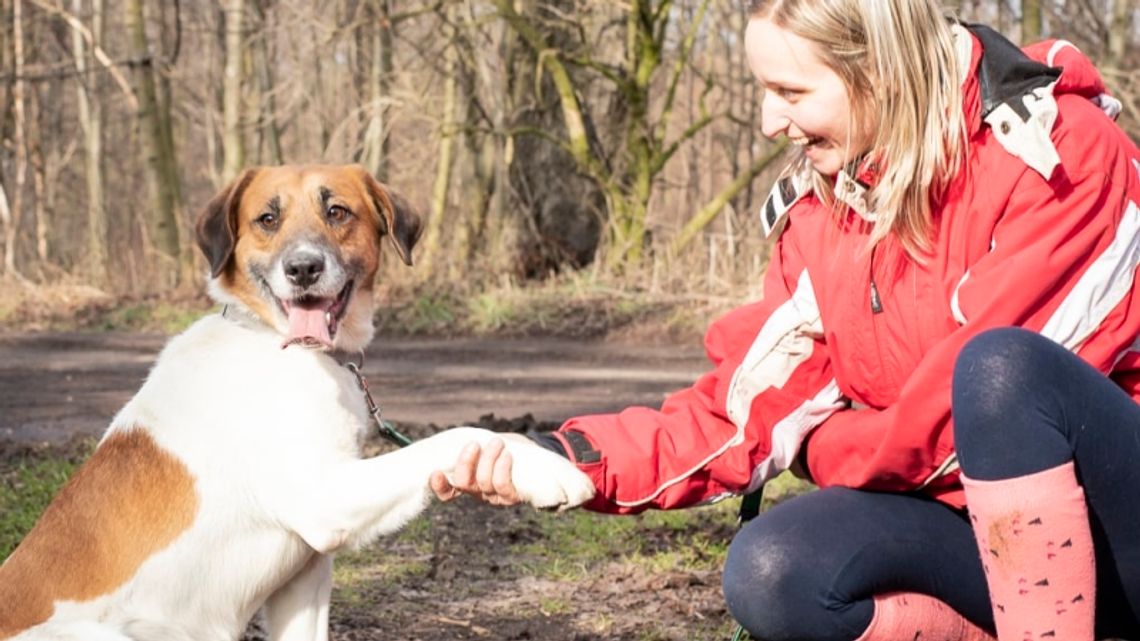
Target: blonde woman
[(945, 346)]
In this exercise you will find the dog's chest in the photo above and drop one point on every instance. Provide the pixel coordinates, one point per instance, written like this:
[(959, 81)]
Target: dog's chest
[(221, 390)]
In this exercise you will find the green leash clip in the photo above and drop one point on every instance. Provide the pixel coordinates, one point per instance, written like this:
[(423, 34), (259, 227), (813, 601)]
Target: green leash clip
[(386, 429)]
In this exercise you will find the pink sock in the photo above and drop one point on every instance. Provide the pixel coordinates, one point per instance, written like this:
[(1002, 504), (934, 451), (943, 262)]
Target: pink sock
[(909, 615), (1037, 552)]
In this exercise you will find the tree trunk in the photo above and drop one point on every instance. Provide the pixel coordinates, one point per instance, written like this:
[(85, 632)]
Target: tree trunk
[(1032, 22), (627, 180), (433, 231), (1118, 33), (39, 183), (18, 132), (5, 215), (233, 144), (557, 208), (375, 148), (269, 131), (91, 124), (164, 213)]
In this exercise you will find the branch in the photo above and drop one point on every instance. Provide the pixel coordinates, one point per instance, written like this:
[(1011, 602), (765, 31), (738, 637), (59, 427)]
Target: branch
[(610, 72), (661, 19), (709, 212), (577, 141), (692, 130), (397, 18), (97, 51), (679, 67)]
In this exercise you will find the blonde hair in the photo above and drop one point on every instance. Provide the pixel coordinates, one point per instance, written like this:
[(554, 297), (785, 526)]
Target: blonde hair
[(898, 63)]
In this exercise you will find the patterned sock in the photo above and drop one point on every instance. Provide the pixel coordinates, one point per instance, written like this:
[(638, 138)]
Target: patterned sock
[(1037, 551), (909, 615)]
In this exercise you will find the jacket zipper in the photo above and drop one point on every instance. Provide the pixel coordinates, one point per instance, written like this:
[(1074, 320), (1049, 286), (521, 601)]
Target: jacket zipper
[(876, 302)]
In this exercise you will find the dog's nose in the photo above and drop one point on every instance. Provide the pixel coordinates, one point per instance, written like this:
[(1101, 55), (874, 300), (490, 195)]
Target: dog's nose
[(304, 270)]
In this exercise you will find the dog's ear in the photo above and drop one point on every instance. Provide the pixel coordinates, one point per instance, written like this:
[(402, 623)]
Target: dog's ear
[(399, 220), (216, 231)]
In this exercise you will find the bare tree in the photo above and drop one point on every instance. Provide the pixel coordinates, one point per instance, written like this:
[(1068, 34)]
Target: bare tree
[(538, 135), (40, 202), (1032, 21), (433, 228), (375, 144), (646, 138), (165, 211), (1118, 32), (91, 124), (19, 129), (485, 49), (268, 130), (233, 140)]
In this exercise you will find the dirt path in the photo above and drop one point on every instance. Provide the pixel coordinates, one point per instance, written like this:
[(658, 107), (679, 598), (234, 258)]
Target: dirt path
[(55, 385)]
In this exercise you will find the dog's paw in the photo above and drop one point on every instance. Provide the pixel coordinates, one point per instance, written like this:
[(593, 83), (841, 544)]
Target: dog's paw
[(545, 479)]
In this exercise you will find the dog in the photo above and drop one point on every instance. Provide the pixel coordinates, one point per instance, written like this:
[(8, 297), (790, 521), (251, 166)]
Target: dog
[(228, 482)]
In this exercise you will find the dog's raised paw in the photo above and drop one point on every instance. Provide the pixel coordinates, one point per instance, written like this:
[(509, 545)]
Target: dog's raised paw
[(547, 480)]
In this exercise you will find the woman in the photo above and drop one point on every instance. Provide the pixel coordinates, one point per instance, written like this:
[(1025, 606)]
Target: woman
[(946, 184)]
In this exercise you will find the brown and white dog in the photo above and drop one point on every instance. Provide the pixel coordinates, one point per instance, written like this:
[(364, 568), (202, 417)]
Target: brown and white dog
[(230, 479)]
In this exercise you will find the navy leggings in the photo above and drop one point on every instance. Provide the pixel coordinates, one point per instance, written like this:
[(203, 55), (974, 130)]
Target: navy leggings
[(807, 569)]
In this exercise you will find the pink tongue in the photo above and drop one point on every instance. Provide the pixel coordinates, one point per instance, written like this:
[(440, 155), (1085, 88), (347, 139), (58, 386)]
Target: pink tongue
[(308, 327)]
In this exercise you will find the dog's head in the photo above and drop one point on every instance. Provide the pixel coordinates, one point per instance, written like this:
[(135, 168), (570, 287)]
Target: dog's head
[(299, 247)]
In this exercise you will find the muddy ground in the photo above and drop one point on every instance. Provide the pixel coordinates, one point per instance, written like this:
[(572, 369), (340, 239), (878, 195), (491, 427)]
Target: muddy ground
[(463, 571)]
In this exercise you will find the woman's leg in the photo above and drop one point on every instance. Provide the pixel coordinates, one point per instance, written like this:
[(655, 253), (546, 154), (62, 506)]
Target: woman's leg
[(810, 568), (1033, 420)]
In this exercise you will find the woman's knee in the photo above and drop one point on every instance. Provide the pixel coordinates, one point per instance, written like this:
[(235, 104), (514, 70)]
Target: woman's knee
[(993, 375), (762, 564), (778, 576), (1006, 389)]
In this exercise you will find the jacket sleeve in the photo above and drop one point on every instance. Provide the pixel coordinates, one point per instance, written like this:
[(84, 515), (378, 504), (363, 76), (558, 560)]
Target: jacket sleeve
[(738, 424), (1062, 262)]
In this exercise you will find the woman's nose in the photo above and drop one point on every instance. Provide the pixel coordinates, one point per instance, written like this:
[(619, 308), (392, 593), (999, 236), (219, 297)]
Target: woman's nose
[(773, 119)]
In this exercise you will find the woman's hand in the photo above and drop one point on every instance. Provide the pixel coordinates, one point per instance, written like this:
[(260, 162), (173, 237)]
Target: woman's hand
[(482, 473)]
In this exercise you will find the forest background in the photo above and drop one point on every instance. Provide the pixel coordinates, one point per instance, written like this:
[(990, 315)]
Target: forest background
[(566, 155)]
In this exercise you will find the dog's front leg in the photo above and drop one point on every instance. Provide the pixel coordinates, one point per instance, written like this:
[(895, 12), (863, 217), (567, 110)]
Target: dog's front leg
[(299, 610), (356, 501)]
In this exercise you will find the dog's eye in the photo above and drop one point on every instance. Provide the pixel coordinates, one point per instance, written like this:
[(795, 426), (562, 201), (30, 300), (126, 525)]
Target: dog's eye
[(337, 214), (268, 221)]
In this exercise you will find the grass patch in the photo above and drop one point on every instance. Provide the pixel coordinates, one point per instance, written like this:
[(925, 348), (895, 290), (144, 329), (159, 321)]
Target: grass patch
[(71, 307), (569, 307), (156, 316), (356, 572), (28, 482), (696, 539)]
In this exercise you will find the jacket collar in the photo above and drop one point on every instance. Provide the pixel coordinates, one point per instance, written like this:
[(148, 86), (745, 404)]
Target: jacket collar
[(1016, 99)]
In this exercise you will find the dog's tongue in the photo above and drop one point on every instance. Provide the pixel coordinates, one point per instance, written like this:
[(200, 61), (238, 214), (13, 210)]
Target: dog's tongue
[(307, 327)]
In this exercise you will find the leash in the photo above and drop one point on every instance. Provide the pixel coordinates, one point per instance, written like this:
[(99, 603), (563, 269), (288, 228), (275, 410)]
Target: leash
[(386, 429)]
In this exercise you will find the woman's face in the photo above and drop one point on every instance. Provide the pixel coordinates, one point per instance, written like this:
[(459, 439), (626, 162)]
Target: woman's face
[(804, 99)]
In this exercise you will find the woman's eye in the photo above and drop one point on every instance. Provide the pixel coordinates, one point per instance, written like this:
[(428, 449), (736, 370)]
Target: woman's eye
[(268, 220), (337, 214)]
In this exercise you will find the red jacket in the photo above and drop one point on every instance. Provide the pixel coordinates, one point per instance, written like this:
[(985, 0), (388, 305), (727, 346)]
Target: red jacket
[(855, 349)]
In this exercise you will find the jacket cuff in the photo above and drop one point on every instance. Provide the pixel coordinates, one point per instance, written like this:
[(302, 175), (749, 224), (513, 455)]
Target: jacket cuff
[(578, 447), (549, 441), (582, 453)]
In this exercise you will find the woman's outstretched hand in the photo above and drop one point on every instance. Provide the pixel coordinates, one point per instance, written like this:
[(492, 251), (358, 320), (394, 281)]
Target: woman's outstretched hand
[(482, 473)]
